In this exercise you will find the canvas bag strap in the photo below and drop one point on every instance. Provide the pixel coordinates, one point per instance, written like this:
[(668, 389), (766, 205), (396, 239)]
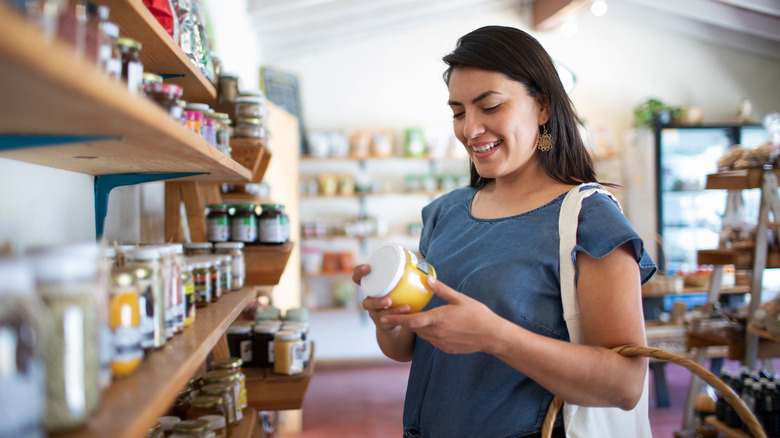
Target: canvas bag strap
[(567, 229)]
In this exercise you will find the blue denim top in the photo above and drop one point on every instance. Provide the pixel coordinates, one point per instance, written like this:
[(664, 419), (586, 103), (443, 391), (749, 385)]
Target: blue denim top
[(511, 265)]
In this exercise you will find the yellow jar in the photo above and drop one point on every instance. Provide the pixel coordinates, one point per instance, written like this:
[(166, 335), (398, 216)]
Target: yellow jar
[(399, 274), (288, 352), (125, 323)]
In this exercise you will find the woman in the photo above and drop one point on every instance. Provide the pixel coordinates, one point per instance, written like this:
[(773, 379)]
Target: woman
[(492, 347)]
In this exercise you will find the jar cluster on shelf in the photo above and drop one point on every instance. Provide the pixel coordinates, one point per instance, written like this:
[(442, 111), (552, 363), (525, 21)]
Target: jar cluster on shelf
[(76, 316), (264, 224), (272, 340)]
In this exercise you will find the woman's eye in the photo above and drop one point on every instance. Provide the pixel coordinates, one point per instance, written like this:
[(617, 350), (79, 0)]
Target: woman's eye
[(457, 115), (491, 109)]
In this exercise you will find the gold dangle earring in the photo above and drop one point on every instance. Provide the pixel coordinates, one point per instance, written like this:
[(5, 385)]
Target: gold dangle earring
[(544, 143)]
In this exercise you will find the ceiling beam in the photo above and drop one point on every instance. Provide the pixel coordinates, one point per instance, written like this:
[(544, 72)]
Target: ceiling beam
[(549, 14)]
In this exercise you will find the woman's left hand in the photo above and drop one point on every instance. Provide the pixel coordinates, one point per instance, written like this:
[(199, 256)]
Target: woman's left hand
[(458, 327)]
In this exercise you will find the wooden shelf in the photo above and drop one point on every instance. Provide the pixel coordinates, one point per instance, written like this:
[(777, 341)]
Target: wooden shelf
[(159, 53), (248, 426), (252, 154), (265, 264), (380, 158), (687, 290), (48, 92), (740, 258), (763, 334), (737, 179), (736, 346), (130, 406), (268, 391)]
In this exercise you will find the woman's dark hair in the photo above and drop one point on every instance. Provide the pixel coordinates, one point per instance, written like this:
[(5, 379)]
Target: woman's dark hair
[(520, 57)]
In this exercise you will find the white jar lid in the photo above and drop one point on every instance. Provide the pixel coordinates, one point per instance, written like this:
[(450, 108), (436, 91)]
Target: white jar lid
[(168, 421), (145, 253), (287, 335), (231, 245), (387, 268)]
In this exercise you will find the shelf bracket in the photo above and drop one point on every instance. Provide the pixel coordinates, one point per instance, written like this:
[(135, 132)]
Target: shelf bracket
[(105, 183), (9, 142)]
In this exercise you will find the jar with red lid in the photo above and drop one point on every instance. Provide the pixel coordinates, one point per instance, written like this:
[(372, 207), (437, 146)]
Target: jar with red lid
[(165, 95)]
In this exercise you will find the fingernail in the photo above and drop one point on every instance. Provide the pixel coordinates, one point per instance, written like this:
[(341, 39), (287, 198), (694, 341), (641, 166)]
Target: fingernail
[(431, 280)]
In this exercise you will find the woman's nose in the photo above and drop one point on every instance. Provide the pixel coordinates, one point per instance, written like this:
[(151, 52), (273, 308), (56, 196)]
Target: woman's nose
[(472, 126)]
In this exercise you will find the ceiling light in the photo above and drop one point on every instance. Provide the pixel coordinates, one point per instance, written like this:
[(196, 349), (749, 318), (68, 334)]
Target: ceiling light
[(569, 27), (598, 8)]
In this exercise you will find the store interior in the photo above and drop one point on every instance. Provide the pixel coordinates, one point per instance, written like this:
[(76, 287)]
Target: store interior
[(364, 141)]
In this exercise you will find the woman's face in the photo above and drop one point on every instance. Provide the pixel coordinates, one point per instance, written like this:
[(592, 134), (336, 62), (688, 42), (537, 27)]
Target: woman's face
[(496, 120)]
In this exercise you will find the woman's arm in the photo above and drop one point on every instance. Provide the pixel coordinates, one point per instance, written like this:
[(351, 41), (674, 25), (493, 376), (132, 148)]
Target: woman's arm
[(395, 341), (589, 375)]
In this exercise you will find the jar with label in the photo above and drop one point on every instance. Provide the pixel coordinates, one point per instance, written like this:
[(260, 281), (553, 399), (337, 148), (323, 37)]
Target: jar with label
[(243, 223), (223, 132), (225, 391), (263, 343), (225, 273), (215, 277), (249, 128), (233, 364), (239, 339), (110, 58), (151, 300), (218, 223), (217, 425), (192, 429), (399, 274), (202, 278), (302, 328), (197, 248), (228, 88), (273, 225), (288, 353), (179, 295), (132, 69), (209, 130), (125, 322), (227, 377), (21, 331), (194, 121), (170, 291), (65, 279), (166, 96), (188, 284), (236, 253), (249, 107)]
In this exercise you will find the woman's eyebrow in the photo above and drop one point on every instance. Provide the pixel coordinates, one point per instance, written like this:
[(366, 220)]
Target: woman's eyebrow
[(475, 100)]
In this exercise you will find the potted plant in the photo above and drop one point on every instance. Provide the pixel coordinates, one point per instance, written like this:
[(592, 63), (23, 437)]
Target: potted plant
[(653, 111)]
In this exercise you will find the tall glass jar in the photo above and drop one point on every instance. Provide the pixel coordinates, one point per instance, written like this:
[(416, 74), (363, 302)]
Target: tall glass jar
[(236, 253), (125, 322), (23, 330), (132, 68), (234, 364), (65, 277), (188, 285), (151, 301), (227, 377)]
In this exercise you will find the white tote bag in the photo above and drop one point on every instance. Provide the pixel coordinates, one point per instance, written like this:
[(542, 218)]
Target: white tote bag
[(581, 421)]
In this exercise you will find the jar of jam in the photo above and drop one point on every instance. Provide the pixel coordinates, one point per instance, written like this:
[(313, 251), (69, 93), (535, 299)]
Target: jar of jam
[(273, 225), (192, 429), (215, 275), (243, 223), (206, 405), (263, 342), (218, 223), (227, 377), (288, 352), (236, 253), (166, 96), (224, 391), (249, 128), (233, 364), (132, 69), (239, 339), (201, 273), (197, 248)]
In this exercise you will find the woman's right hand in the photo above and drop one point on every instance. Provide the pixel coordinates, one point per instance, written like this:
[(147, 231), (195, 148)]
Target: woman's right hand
[(380, 306)]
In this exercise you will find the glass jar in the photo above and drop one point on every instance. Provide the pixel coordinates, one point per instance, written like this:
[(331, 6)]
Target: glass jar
[(225, 273), (192, 429), (249, 128), (216, 278), (239, 339), (170, 291), (150, 78), (178, 294), (273, 225), (110, 59), (225, 391), (233, 364), (288, 352), (249, 107), (188, 284), (209, 130), (194, 121), (166, 96), (65, 279), (228, 88), (243, 223), (218, 223), (205, 405), (263, 343), (217, 425), (151, 300), (236, 253), (132, 69), (227, 377), (22, 327), (182, 404), (202, 279), (125, 322), (197, 248), (223, 132)]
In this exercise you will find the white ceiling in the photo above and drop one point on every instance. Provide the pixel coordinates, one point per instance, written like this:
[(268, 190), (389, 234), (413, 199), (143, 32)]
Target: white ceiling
[(296, 27)]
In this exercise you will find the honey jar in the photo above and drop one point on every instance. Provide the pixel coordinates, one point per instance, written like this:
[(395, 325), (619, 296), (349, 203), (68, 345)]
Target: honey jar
[(399, 274)]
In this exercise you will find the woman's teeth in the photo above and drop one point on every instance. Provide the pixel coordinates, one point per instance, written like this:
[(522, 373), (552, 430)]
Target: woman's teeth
[(486, 147)]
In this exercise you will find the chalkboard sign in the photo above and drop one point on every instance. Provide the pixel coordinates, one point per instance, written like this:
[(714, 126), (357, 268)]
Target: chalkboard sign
[(281, 88)]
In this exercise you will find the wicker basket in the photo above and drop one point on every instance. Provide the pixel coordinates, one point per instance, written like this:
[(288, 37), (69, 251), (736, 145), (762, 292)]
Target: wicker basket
[(633, 351)]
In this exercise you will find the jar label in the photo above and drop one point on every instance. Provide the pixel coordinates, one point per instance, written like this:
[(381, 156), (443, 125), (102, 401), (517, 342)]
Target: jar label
[(245, 348), (127, 344), (146, 307), (135, 73), (419, 263), (274, 230), (217, 229), (244, 229)]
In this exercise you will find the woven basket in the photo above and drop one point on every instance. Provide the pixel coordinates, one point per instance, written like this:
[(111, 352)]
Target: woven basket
[(654, 353)]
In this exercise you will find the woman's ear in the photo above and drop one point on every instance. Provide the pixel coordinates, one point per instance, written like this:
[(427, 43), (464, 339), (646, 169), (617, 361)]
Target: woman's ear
[(544, 109)]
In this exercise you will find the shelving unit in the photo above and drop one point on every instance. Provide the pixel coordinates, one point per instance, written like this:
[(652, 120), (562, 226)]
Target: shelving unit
[(756, 344), (130, 406)]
